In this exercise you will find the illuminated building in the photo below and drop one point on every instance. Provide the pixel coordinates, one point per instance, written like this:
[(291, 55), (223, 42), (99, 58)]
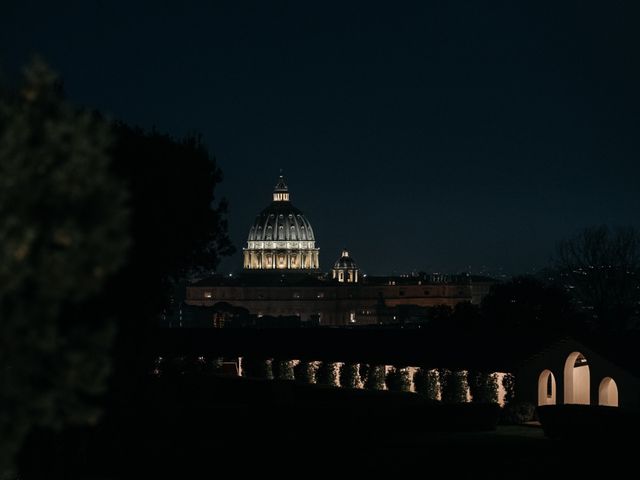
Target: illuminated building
[(345, 269), (282, 277), (281, 238)]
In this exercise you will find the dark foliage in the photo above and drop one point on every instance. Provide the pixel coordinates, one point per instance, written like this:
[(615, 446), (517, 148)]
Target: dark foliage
[(515, 413), (186, 424), (257, 368), (509, 385), (63, 233), (601, 268), (426, 382), (453, 385), (589, 423), (177, 229), (177, 365), (399, 380), (364, 372), (376, 377), (305, 372), (349, 375), (327, 374), (483, 386), (283, 369), (525, 305), (78, 194)]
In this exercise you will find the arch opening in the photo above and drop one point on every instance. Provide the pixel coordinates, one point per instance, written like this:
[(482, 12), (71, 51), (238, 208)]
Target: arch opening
[(608, 392), (546, 388), (576, 379)]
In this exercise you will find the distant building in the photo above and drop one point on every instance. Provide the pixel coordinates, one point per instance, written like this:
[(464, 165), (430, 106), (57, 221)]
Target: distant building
[(345, 269), (282, 278)]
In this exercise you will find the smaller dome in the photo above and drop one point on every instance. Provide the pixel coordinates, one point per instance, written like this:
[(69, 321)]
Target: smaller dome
[(345, 261)]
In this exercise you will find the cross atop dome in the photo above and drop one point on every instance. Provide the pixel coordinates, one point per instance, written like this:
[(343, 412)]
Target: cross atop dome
[(281, 191)]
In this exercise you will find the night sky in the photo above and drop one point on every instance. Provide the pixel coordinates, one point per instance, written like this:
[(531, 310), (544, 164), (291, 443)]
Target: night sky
[(442, 136)]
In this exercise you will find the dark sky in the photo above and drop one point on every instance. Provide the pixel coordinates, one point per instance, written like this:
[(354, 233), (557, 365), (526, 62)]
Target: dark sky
[(437, 136)]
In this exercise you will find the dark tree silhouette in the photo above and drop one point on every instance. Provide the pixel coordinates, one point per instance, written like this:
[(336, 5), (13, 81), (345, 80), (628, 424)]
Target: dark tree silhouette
[(601, 267), (525, 306), (177, 230), (63, 228)]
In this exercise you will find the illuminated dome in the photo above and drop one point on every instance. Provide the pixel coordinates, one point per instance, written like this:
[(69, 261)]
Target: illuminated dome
[(345, 261), (281, 237), (345, 269)]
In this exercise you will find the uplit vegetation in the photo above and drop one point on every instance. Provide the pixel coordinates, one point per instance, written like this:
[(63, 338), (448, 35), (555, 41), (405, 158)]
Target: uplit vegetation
[(350, 375), (427, 384), (483, 386), (454, 386), (305, 372), (376, 377), (285, 370), (399, 379), (327, 374)]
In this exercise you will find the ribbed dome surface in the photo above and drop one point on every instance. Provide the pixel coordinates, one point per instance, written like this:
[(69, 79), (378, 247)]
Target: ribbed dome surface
[(281, 238), (345, 261), (281, 221)]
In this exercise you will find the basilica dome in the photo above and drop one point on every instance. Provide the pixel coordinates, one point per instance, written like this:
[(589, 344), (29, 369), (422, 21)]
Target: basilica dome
[(281, 237), (281, 221)]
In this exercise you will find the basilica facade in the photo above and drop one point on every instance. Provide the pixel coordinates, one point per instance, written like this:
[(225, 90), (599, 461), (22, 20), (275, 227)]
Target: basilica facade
[(282, 277)]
